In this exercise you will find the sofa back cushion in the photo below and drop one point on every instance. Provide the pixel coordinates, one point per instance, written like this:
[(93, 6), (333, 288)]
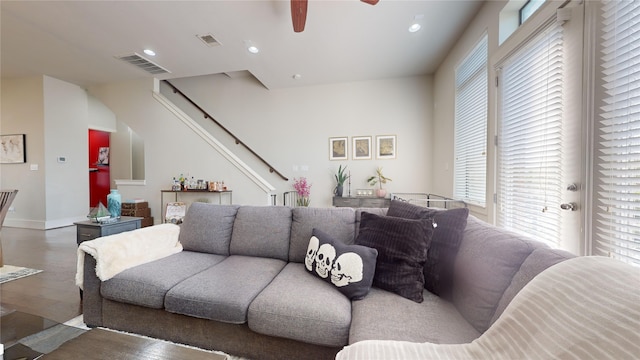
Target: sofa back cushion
[(487, 261), (262, 231), (207, 228), (336, 222), (538, 261)]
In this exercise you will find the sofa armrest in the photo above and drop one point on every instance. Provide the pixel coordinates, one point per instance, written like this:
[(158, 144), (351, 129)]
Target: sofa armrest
[(91, 298), (116, 253)]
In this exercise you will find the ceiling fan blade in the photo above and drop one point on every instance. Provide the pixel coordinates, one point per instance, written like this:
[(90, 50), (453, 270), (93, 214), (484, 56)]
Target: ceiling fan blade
[(370, 2), (298, 14)]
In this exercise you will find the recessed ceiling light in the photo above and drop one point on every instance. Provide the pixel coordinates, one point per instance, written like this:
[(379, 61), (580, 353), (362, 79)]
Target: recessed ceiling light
[(149, 52), (414, 27), (297, 76), (251, 46)]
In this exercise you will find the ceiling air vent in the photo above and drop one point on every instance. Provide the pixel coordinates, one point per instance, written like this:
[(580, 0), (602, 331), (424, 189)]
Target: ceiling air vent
[(140, 62), (209, 40)]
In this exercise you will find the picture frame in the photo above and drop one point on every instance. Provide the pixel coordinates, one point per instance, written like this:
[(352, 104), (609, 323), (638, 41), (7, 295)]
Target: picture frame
[(175, 212), (361, 147), (386, 147), (13, 149), (103, 155), (338, 148)]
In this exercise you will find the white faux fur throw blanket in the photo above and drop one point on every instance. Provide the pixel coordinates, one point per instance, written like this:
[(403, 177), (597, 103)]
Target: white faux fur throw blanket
[(581, 308), (119, 252)]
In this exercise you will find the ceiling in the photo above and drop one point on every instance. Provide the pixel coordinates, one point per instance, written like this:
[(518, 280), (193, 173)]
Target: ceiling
[(344, 40)]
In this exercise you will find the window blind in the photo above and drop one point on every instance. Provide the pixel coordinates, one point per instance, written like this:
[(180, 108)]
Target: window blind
[(617, 214), (530, 138), (470, 166)]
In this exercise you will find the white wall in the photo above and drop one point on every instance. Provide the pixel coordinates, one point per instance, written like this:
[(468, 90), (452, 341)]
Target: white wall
[(66, 134), (22, 107), (170, 147), (53, 115), (99, 116), (290, 128)]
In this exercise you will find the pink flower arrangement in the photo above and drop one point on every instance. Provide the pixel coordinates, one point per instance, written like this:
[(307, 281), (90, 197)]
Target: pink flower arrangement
[(302, 187)]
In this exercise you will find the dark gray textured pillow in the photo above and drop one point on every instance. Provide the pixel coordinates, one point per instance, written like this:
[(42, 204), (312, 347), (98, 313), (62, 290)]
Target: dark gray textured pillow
[(402, 251), (448, 231), (403, 209), (350, 268)]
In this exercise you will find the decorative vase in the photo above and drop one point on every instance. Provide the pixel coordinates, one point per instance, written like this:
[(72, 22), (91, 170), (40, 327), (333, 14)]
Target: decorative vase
[(114, 203), (381, 193), (339, 190), (303, 201)]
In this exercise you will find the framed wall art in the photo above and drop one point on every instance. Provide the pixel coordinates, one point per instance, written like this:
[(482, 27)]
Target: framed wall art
[(103, 156), (338, 148), (386, 147), (361, 147), (13, 149)]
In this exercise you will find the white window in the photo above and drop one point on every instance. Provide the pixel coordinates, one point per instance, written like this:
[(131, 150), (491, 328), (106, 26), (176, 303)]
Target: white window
[(617, 157), (530, 138), (528, 9), (470, 139)]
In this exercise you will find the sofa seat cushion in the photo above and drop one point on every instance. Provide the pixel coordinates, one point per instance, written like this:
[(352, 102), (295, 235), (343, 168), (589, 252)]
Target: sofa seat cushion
[(147, 284), (383, 315), (300, 306), (223, 292)]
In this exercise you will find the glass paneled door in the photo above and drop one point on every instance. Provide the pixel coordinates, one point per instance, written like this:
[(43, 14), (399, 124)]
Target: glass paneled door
[(539, 136)]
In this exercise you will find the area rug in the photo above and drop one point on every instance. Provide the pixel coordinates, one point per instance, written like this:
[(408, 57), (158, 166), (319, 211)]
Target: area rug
[(9, 272)]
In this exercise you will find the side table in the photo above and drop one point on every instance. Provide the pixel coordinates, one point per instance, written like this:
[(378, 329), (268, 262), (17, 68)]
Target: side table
[(89, 230)]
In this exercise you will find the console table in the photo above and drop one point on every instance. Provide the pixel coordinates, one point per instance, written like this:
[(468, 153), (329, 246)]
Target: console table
[(361, 202), (194, 193)]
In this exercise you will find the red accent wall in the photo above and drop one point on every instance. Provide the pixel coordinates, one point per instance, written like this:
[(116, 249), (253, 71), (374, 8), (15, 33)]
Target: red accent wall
[(100, 179)]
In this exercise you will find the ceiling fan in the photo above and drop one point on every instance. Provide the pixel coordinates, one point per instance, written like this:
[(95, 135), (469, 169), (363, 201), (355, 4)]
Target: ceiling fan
[(299, 12)]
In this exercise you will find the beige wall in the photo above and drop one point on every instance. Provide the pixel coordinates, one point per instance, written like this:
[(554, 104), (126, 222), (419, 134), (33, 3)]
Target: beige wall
[(23, 113), (53, 115), (290, 128), (66, 134)]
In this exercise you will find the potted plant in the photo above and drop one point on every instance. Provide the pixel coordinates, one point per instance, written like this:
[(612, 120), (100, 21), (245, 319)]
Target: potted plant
[(341, 177), (379, 179), (303, 188)]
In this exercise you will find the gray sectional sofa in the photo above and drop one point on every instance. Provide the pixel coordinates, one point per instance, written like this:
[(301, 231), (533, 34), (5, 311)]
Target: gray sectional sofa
[(240, 286)]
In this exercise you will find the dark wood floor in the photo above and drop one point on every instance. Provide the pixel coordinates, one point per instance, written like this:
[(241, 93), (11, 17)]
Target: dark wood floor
[(52, 293)]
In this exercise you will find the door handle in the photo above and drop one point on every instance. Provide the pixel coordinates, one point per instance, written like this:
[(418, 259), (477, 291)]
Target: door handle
[(569, 206)]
